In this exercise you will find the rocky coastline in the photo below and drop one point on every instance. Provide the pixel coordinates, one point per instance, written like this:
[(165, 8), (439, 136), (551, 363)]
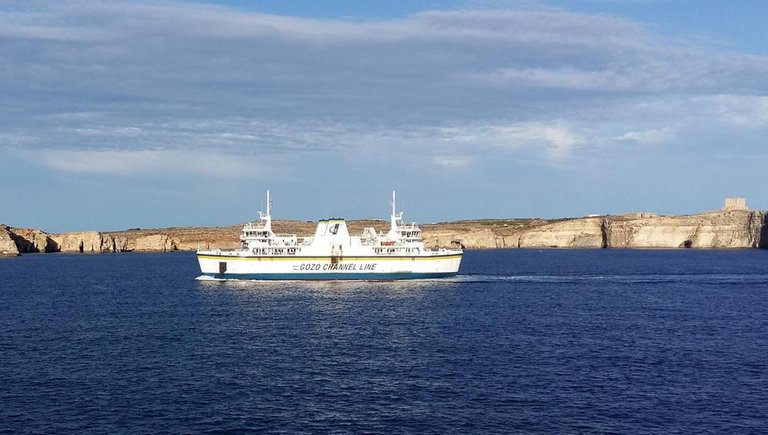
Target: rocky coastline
[(723, 229)]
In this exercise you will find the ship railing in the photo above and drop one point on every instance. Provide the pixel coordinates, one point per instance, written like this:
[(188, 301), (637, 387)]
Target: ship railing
[(253, 226), (398, 250), (441, 251), (284, 239), (288, 250), (409, 227)]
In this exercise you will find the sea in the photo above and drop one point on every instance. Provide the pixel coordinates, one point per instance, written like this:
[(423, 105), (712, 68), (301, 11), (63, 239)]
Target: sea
[(521, 341)]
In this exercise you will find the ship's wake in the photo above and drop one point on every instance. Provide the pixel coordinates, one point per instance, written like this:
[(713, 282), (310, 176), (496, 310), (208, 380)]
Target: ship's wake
[(725, 278), (735, 279)]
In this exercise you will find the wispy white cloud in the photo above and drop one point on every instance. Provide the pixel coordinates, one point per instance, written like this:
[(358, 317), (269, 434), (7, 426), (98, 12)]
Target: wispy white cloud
[(746, 111), (50, 33), (149, 79), (647, 136), (452, 162), (150, 163), (553, 139), (558, 140)]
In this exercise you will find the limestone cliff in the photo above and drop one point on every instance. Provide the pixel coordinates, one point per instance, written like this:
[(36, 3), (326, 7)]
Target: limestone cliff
[(85, 241), (717, 230), (32, 240), (573, 233), (172, 239), (489, 233), (7, 244), (462, 238), (154, 242), (723, 229)]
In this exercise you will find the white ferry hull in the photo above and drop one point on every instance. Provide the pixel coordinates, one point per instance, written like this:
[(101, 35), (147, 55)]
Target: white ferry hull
[(239, 266), (331, 254)]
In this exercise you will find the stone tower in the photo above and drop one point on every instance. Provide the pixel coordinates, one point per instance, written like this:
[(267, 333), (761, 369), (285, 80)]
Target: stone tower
[(735, 203)]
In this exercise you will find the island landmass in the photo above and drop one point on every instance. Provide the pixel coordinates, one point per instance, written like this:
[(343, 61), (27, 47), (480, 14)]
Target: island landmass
[(733, 227)]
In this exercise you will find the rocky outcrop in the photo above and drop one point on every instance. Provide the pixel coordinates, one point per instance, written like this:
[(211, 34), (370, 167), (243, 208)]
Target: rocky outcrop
[(184, 239), (463, 238), (86, 241), (7, 244), (154, 242), (94, 242), (575, 233), (720, 230), (32, 240), (490, 233), (716, 230)]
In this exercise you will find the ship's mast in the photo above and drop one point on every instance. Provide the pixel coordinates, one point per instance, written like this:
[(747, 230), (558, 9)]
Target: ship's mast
[(267, 218), (393, 231), (394, 210)]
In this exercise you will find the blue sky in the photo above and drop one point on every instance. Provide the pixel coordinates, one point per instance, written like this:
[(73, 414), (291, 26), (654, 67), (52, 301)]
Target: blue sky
[(154, 114)]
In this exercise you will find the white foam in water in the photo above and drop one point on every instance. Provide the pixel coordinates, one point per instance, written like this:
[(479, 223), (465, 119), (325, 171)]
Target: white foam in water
[(546, 278), (208, 278), (492, 278)]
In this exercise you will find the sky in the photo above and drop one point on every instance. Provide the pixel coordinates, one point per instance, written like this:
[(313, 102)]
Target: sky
[(124, 114)]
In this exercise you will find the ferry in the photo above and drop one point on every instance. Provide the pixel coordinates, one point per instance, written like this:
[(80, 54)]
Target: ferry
[(330, 254)]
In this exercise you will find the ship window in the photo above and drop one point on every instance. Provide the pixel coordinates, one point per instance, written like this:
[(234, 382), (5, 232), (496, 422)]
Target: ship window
[(222, 266)]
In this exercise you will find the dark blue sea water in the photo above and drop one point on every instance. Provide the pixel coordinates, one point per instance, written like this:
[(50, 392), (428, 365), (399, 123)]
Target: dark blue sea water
[(523, 341)]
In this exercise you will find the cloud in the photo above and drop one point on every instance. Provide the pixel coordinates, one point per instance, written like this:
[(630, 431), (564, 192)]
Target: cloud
[(150, 163), (554, 139), (648, 136), (49, 33), (746, 111), (557, 139), (152, 83), (451, 162)]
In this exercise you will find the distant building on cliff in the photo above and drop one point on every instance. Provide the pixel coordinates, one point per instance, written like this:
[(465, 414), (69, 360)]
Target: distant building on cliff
[(735, 203)]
